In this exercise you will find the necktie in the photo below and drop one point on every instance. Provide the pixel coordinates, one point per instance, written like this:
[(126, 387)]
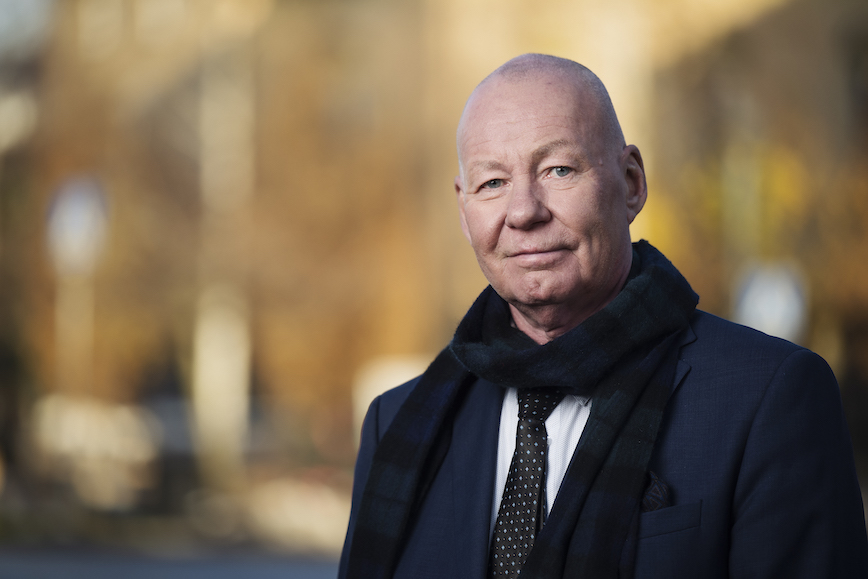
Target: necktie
[(522, 508)]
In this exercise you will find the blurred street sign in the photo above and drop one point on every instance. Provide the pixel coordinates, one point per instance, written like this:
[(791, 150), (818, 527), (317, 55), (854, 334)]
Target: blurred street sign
[(76, 226), (772, 298)]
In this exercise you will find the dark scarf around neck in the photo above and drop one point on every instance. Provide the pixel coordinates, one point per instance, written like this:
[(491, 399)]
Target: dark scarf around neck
[(624, 357)]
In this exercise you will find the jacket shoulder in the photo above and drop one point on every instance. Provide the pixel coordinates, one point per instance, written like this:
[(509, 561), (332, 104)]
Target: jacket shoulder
[(388, 403), (716, 339)]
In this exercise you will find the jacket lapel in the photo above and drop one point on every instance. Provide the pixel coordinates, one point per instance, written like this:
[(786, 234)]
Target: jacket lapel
[(682, 368), (473, 478)]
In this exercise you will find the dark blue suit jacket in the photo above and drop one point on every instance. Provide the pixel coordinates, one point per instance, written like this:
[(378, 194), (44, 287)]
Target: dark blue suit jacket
[(753, 446)]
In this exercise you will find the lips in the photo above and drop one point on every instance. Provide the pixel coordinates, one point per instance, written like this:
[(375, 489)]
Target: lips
[(537, 258), (535, 251)]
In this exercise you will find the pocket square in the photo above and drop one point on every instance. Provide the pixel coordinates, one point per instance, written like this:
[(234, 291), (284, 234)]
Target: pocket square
[(656, 494)]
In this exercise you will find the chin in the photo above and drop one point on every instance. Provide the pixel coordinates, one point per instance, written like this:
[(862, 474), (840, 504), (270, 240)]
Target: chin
[(537, 296)]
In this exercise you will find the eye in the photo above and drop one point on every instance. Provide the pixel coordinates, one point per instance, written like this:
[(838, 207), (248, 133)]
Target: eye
[(561, 171), (493, 184)]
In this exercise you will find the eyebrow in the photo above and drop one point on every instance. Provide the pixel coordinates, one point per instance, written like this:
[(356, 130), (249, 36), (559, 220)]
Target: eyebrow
[(552, 146), (537, 155), (485, 166)]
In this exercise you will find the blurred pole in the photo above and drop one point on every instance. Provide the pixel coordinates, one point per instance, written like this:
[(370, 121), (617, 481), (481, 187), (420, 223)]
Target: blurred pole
[(73, 333), (221, 369), (221, 350), (76, 234)]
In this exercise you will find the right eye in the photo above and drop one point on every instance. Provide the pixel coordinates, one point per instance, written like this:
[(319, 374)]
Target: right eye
[(493, 184)]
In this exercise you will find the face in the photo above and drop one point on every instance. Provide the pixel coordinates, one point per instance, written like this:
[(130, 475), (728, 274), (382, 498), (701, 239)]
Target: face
[(545, 198)]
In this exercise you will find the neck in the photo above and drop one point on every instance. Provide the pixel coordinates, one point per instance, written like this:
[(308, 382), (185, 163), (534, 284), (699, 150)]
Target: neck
[(543, 323)]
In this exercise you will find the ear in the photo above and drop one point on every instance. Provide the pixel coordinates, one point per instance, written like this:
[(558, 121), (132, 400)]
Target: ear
[(634, 175), (459, 196)]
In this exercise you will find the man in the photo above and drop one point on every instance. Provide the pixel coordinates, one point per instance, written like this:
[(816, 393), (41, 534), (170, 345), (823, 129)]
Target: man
[(587, 420)]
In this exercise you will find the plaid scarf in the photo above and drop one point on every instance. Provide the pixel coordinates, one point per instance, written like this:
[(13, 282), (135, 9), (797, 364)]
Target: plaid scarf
[(624, 356)]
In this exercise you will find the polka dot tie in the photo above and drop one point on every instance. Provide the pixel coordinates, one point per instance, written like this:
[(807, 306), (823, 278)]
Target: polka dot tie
[(522, 508)]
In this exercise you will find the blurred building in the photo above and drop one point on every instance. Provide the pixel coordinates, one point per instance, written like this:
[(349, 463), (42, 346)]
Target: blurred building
[(275, 180)]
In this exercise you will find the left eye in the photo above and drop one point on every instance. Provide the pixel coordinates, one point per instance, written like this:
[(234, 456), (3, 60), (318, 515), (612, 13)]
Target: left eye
[(561, 171)]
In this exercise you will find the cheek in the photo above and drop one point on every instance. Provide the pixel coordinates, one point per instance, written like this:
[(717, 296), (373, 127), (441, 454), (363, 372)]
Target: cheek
[(595, 213), (482, 229)]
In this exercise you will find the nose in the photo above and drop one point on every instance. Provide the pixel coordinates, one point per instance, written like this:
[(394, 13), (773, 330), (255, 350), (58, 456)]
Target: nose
[(527, 206)]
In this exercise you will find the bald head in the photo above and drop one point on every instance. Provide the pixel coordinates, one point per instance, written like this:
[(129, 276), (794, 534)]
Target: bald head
[(555, 73)]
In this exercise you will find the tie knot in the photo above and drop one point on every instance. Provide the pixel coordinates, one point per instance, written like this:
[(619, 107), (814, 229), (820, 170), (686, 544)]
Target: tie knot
[(537, 404)]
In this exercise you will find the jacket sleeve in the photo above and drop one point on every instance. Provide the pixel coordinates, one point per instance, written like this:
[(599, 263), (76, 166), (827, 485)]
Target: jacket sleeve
[(797, 509)]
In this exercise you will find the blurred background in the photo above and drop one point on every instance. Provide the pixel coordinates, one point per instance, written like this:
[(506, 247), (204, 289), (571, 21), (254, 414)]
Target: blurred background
[(225, 225)]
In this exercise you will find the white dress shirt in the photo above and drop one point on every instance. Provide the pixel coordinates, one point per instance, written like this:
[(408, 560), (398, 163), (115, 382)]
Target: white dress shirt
[(564, 428)]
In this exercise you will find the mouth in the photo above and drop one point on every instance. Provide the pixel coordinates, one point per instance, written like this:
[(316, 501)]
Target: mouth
[(537, 258), (535, 251)]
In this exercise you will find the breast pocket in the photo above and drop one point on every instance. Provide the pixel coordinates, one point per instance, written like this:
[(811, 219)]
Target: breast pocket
[(670, 520), (669, 543)]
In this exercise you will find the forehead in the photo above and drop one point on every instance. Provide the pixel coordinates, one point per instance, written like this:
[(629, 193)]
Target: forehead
[(512, 115)]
